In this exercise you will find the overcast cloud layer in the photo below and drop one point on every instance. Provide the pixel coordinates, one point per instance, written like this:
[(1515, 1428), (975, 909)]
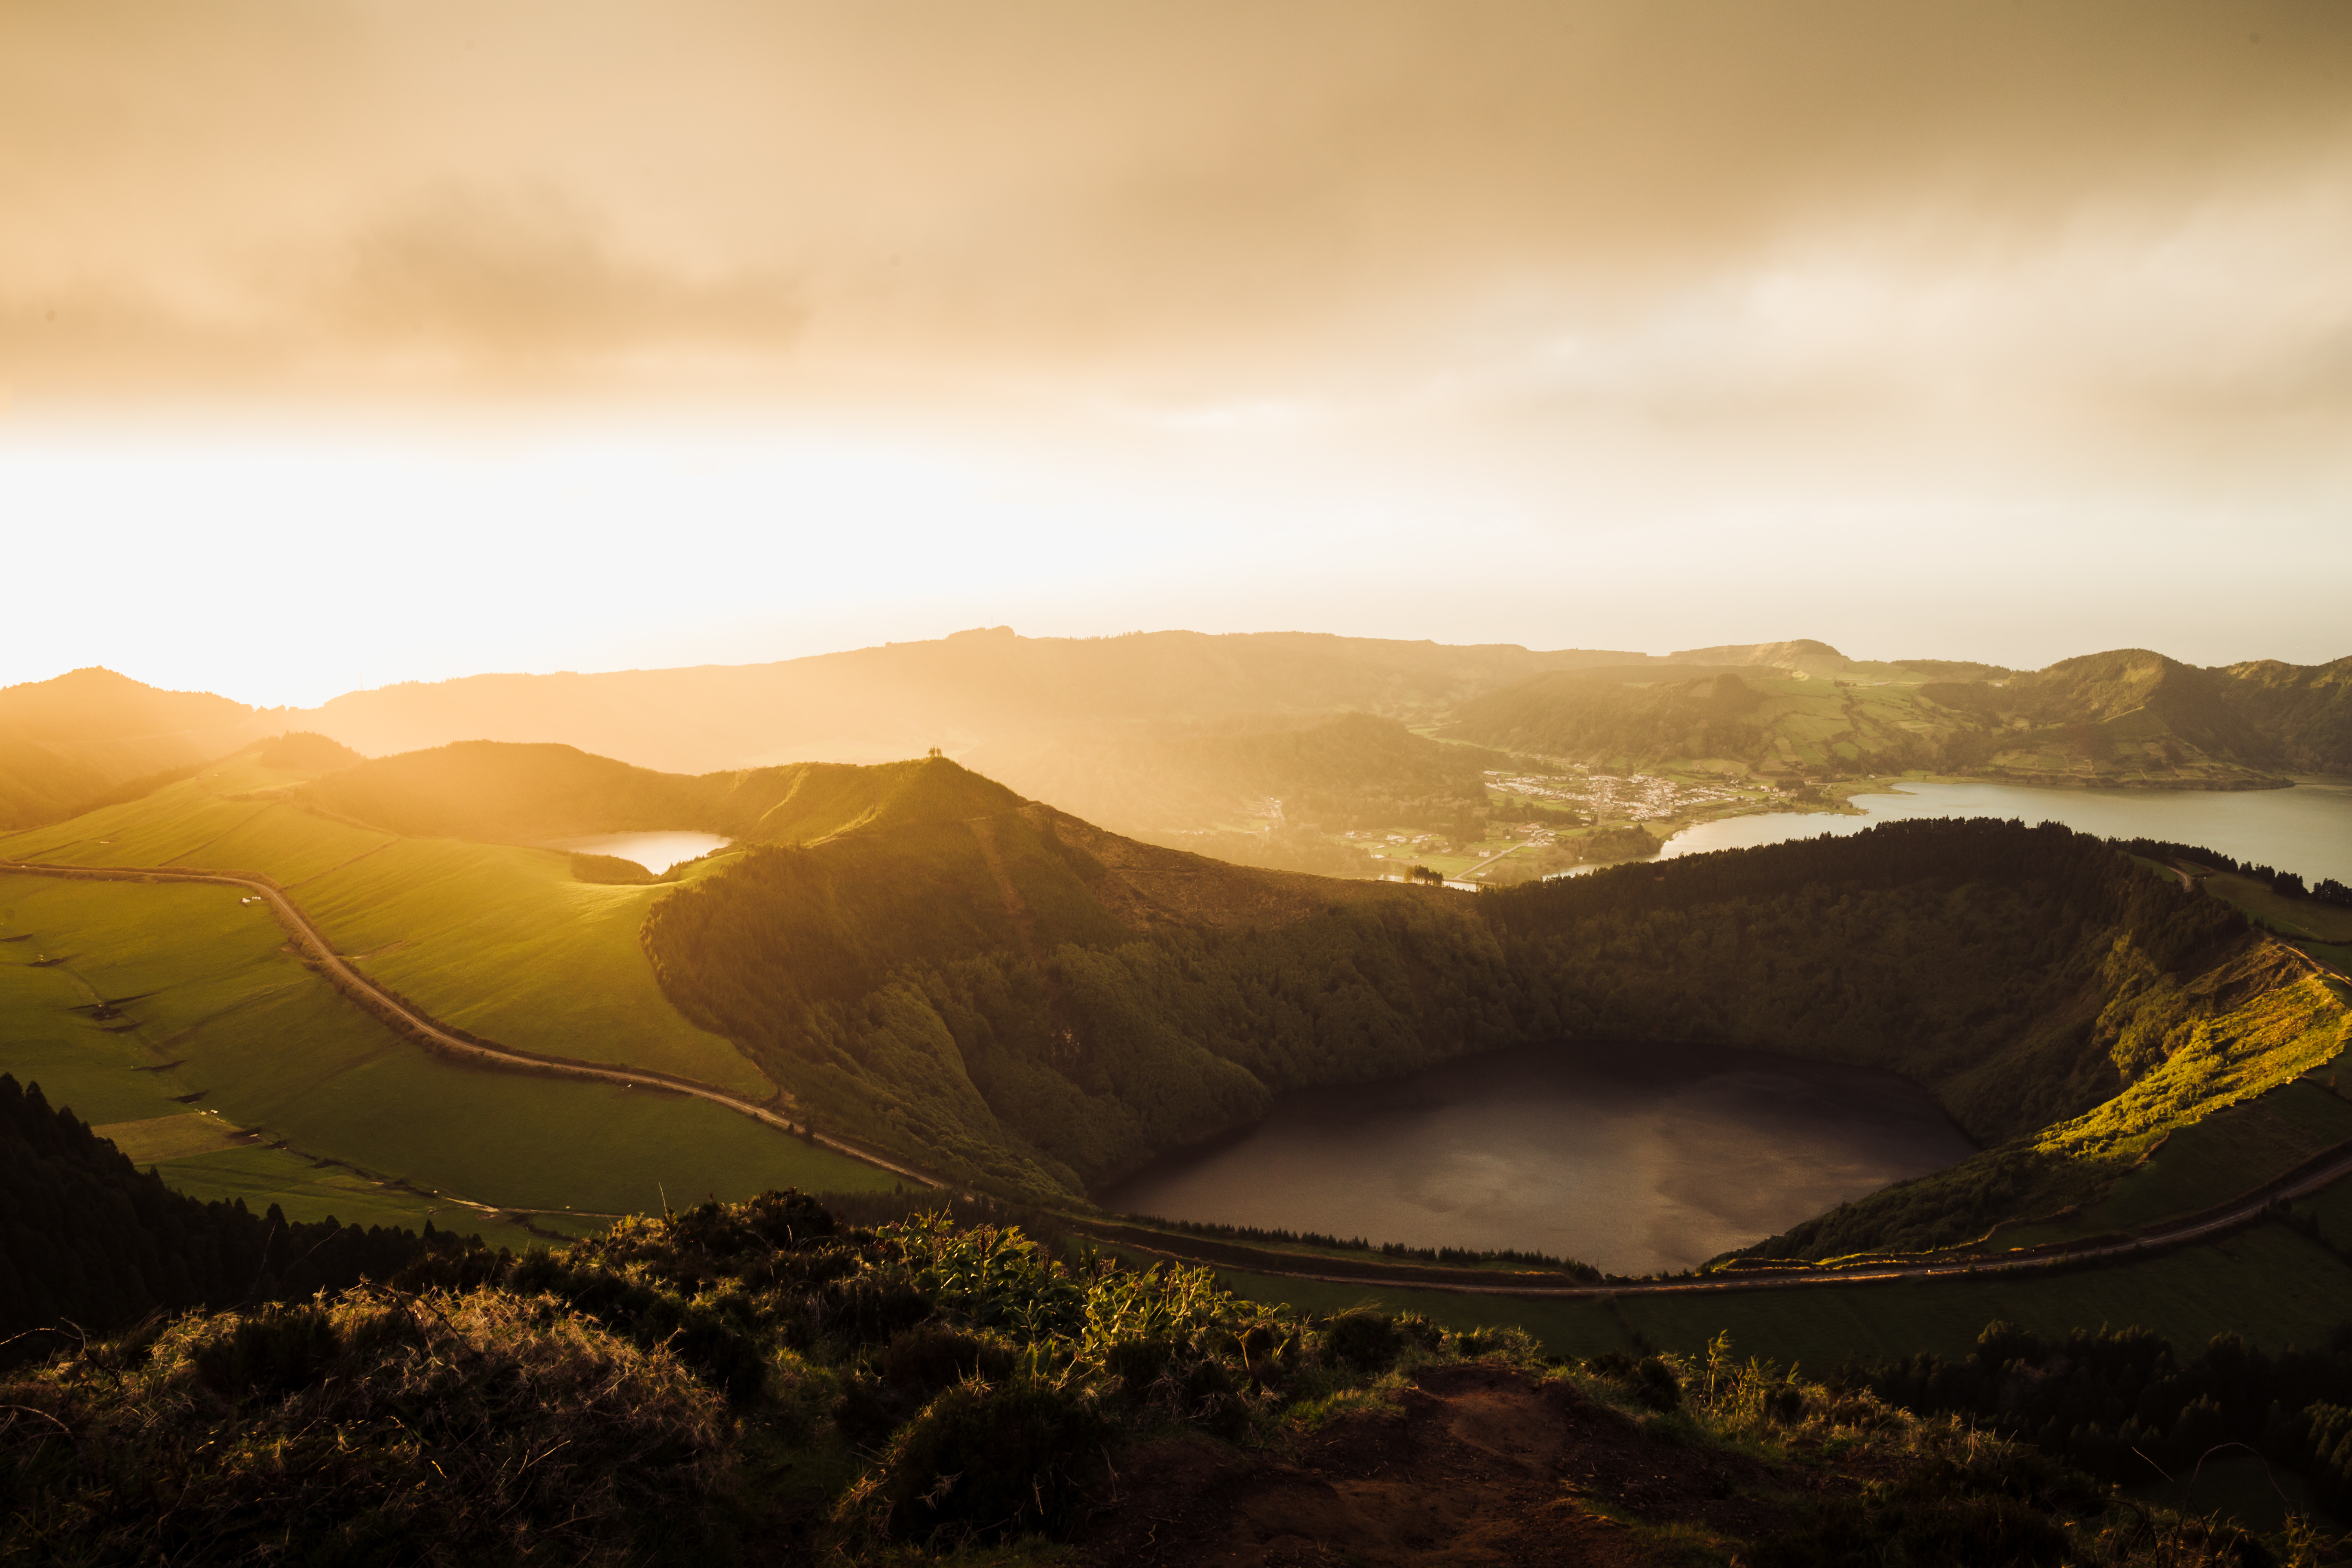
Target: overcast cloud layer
[(2004, 331)]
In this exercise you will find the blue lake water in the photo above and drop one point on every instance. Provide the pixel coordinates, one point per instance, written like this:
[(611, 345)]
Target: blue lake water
[(1635, 1158), (2307, 829)]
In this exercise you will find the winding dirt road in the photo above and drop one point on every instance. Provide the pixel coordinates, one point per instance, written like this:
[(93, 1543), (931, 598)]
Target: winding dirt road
[(420, 1026)]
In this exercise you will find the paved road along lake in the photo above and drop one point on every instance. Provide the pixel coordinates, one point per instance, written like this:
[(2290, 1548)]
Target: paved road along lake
[(1635, 1158)]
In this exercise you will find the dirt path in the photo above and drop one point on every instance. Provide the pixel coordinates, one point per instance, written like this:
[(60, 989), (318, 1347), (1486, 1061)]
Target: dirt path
[(420, 1026), (1476, 1465)]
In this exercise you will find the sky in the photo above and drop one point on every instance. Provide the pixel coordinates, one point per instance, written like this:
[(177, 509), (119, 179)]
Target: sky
[(347, 341)]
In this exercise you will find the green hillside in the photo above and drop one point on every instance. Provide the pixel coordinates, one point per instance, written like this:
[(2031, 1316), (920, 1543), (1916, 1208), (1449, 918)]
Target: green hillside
[(501, 940), (172, 1018), (2126, 717), (1327, 772), (1005, 994)]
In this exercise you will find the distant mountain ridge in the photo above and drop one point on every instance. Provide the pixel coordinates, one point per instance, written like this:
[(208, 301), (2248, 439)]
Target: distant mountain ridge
[(1181, 730), (2130, 716), (68, 744)]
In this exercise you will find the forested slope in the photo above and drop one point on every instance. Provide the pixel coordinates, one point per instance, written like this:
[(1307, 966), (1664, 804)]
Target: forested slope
[(86, 1239), (2128, 715), (1338, 771), (1030, 1000)]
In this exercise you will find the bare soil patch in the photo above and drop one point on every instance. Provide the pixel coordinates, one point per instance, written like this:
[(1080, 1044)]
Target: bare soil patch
[(1476, 1465)]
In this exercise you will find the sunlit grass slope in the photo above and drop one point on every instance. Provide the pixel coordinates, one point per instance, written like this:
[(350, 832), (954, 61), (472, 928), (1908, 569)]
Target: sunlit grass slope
[(2205, 1163), (212, 1005), (2218, 1046), (499, 940)]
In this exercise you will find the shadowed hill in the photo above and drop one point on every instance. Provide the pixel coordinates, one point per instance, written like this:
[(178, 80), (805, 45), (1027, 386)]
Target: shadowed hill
[(1338, 771), (956, 692), (1030, 1000), (495, 792), (1153, 731), (2305, 710), (2111, 707), (2126, 716), (72, 743), (1627, 714), (90, 1240)]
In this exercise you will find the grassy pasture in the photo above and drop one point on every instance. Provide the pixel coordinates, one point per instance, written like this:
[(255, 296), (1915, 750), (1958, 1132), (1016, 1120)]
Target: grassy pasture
[(305, 1189), (172, 1137), (499, 940), (215, 1006), (503, 941), (2306, 919), (2268, 1283)]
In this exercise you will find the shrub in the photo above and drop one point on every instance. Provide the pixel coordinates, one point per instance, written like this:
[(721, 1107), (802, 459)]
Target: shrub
[(1137, 1363), (1362, 1341), (985, 1460), (1656, 1383), (922, 1361), (371, 1425)]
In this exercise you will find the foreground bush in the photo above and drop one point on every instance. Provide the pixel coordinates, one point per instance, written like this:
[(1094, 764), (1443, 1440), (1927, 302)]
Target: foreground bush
[(755, 1381), (374, 1426)]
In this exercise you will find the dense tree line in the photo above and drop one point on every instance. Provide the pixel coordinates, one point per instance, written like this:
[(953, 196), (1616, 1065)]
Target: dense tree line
[(1599, 715), (2287, 884), (88, 1240), (2123, 1406), (2025, 975), (1945, 951)]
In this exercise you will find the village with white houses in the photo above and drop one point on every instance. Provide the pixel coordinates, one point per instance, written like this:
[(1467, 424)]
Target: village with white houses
[(1632, 797), (1593, 817)]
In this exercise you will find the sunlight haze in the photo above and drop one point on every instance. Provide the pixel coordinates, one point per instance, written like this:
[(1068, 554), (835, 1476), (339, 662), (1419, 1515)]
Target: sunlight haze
[(542, 337)]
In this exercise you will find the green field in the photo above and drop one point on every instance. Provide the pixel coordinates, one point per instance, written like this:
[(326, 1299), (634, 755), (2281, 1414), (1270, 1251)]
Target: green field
[(2268, 1283), (498, 940), (213, 1008), (2208, 1162), (2304, 919)]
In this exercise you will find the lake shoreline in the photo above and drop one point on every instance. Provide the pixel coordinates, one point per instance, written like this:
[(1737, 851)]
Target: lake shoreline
[(1631, 1156)]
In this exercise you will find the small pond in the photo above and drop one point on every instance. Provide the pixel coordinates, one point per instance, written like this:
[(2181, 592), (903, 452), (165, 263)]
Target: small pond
[(1635, 1158), (656, 852)]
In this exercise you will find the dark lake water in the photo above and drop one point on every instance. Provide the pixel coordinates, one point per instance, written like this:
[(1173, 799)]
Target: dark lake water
[(1635, 1158)]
